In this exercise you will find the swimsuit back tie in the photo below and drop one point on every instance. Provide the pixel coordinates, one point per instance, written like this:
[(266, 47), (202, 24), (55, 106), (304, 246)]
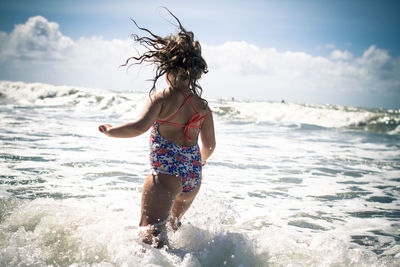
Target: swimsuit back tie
[(195, 118)]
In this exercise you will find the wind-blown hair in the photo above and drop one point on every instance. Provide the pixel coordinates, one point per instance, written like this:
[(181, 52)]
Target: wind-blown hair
[(178, 55)]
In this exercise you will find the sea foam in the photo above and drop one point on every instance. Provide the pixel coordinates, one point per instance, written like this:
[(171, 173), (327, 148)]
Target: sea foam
[(331, 116)]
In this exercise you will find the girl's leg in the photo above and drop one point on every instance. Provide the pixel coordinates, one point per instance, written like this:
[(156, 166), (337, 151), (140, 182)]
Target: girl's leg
[(158, 195), (183, 202)]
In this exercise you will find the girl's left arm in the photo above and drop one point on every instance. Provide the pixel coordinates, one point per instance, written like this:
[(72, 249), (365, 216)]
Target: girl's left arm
[(141, 125)]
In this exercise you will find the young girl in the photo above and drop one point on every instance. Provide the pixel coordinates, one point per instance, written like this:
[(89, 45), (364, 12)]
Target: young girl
[(177, 116)]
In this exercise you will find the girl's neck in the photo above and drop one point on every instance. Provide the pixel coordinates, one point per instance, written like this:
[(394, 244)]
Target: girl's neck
[(175, 82), (185, 89), (181, 85)]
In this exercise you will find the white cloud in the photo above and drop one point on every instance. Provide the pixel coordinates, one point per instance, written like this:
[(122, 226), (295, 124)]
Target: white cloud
[(341, 55), (375, 57), (36, 39), (237, 69), (341, 78), (38, 50)]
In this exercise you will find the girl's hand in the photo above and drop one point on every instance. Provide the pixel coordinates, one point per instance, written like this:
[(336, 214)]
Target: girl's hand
[(104, 128)]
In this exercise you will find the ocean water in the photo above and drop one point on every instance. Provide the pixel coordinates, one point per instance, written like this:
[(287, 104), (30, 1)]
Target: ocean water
[(289, 184)]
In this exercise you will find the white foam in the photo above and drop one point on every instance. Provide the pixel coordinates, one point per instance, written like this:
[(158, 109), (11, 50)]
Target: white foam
[(311, 114), (128, 105), (49, 232)]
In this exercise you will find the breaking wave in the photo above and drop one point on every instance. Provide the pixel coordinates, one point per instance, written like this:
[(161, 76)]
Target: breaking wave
[(329, 116)]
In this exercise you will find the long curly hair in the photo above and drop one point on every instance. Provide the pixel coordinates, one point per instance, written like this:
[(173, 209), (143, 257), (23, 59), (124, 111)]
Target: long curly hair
[(177, 54)]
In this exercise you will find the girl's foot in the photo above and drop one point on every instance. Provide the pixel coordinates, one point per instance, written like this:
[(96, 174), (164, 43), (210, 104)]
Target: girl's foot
[(174, 223), (155, 236)]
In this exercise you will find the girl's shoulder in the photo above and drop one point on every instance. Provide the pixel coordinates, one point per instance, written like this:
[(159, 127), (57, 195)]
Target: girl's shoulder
[(200, 103), (166, 98), (161, 95)]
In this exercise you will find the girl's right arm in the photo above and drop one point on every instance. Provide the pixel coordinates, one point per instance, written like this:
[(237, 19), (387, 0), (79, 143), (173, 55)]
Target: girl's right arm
[(131, 129), (207, 135)]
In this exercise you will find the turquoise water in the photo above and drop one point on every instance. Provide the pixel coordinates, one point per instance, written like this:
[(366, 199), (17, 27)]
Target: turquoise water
[(288, 185)]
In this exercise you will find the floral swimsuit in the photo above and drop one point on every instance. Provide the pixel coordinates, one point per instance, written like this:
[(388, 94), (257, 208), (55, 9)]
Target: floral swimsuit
[(170, 158)]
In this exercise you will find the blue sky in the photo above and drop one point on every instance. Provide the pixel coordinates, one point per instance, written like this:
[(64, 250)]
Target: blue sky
[(359, 40), (288, 25)]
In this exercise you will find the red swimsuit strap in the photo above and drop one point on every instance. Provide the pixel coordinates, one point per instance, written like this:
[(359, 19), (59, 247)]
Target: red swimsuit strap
[(195, 118)]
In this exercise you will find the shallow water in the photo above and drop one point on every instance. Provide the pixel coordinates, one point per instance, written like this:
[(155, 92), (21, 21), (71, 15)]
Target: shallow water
[(288, 185)]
